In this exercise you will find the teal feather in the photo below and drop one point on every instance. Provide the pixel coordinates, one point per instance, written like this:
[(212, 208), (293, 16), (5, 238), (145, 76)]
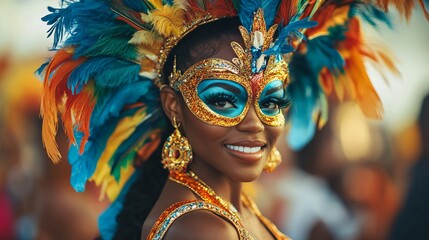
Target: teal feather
[(111, 101), (155, 120), (110, 41), (107, 220), (304, 91), (370, 14), (105, 71)]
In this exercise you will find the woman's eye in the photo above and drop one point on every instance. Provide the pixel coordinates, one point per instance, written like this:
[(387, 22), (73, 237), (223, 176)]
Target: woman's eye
[(270, 106), (223, 104), (222, 101), (273, 106)]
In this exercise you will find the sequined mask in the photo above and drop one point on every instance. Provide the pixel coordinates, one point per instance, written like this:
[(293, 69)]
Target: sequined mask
[(220, 92)]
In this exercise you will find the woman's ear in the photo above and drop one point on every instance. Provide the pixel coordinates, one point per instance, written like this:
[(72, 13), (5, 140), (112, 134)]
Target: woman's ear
[(170, 101)]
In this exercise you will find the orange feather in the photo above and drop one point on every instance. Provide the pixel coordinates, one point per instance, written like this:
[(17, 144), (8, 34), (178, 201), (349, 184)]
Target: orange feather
[(54, 91)]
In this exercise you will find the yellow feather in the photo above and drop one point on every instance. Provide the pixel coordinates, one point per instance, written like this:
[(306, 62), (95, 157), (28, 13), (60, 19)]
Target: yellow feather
[(144, 37), (112, 188), (167, 20), (156, 3), (122, 131)]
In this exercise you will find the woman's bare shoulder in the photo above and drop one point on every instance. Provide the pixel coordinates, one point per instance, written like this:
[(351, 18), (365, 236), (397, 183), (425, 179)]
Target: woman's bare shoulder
[(201, 224)]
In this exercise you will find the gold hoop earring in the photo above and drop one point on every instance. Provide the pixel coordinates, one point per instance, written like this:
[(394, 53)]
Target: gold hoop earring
[(177, 152), (273, 160)]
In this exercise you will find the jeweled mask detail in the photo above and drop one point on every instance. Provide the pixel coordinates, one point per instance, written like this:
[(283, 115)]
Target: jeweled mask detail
[(220, 92)]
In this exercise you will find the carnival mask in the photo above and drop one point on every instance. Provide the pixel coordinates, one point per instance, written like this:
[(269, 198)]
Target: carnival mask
[(220, 92)]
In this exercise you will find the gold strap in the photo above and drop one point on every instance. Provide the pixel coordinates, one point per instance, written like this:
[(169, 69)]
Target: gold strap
[(265, 221), (178, 209)]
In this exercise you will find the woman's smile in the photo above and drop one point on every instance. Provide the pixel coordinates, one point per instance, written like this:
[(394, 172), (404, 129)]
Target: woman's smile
[(247, 150)]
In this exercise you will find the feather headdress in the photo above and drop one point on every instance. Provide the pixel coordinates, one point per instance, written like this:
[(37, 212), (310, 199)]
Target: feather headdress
[(103, 78)]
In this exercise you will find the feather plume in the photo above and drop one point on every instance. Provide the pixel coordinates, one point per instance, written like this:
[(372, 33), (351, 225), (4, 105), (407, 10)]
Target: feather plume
[(286, 11), (129, 15), (118, 72), (136, 5), (144, 37), (220, 8), (78, 109), (166, 20), (355, 77), (283, 44), (247, 11), (305, 92), (123, 130), (55, 88), (107, 220), (111, 104), (61, 22)]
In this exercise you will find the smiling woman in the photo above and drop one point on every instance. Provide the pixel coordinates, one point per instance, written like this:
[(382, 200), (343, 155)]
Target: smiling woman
[(213, 80)]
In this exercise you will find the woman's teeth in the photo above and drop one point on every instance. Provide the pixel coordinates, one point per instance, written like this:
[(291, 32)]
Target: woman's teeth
[(244, 149)]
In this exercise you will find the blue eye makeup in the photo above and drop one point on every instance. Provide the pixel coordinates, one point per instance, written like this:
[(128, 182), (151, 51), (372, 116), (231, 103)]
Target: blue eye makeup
[(224, 97), (273, 98)]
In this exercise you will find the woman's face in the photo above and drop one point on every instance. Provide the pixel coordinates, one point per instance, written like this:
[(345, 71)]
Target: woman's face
[(238, 152)]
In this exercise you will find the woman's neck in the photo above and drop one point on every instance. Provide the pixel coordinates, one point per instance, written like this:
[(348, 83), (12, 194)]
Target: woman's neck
[(224, 187)]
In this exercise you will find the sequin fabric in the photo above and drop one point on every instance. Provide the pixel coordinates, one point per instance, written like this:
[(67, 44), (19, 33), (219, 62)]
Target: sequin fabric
[(211, 202)]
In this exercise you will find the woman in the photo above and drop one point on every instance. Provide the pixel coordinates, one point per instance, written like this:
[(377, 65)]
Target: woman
[(218, 72), (222, 157)]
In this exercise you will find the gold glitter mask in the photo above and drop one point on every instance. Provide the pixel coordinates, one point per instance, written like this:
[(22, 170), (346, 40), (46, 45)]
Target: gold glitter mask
[(220, 92), (216, 92)]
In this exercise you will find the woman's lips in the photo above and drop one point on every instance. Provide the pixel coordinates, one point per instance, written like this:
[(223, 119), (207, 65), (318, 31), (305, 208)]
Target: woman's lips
[(247, 151)]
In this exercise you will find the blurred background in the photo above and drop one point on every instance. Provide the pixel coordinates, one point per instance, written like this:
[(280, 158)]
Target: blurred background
[(355, 180)]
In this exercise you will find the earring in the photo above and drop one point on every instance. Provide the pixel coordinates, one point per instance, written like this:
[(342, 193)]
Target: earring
[(273, 160), (177, 152)]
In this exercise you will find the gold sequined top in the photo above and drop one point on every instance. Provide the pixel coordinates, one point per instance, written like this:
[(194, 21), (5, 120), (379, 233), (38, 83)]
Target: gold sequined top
[(210, 202)]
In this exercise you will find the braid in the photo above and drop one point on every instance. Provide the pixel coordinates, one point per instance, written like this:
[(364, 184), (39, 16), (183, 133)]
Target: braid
[(141, 198)]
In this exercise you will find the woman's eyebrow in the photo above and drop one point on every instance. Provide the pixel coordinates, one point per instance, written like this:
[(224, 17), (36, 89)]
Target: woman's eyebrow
[(226, 86), (273, 90)]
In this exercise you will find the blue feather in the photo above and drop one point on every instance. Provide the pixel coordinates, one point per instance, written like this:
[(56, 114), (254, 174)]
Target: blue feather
[(105, 71), (136, 5), (246, 12), (153, 121), (270, 8), (304, 91), (61, 21), (168, 2), (370, 13), (248, 9), (39, 71), (82, 167), (282, 45), (107, 220), (321, 53), (110, 104)]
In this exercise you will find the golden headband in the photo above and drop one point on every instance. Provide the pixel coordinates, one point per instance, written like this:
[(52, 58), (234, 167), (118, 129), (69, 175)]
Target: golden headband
[(171, 42)]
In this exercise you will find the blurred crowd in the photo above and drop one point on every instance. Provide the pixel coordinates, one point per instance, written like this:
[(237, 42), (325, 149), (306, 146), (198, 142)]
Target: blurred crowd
[(357, 180), (354, 181)]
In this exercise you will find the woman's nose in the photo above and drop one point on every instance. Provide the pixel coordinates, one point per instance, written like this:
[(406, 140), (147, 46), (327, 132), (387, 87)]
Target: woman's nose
[(251, 122)]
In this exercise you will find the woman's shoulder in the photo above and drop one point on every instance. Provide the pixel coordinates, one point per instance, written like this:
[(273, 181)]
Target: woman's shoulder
[(194, 220), (182, 216), (203, 223)]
